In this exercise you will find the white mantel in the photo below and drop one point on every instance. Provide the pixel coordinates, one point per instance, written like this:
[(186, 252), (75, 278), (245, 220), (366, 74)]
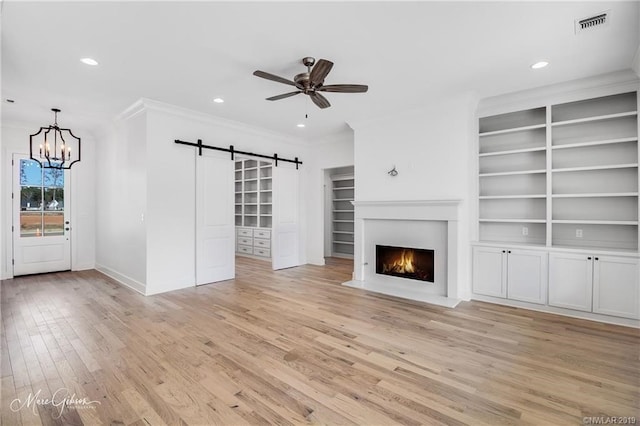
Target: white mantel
[(372, 214)]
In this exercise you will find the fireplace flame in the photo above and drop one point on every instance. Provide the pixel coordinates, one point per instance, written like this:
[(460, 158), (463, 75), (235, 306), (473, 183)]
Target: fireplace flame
[(403, 265)]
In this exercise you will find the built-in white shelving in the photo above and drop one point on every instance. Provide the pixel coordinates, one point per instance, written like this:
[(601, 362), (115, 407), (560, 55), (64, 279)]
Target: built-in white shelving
[(562, 175), (342, 232), (253, 207)]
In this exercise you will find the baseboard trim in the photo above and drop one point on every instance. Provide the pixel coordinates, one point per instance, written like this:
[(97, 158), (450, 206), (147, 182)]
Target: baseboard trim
[(626, 322), (319, 261), (122, 279)]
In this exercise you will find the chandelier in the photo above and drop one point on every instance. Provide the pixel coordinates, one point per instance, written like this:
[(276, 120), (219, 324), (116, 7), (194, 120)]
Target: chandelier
[(53, 147)]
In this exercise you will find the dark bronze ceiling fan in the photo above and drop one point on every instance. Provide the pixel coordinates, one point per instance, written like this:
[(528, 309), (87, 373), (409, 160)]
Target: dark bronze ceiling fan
[(312, 82)]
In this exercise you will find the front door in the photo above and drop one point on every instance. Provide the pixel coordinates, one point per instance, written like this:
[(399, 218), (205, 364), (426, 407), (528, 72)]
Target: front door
[(41, 228)]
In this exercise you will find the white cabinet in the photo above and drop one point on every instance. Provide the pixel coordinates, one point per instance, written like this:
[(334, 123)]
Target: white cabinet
[(510, 273), (527, 276), (608, 285), (254, 241), (616, 286), (489, 271), (570, 281)]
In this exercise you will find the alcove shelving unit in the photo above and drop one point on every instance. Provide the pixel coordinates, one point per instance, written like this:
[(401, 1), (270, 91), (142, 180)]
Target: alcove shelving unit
[(562, 175), (342, 231), (253, 207)]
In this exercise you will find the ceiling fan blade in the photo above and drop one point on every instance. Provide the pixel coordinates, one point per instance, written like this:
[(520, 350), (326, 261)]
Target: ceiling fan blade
[(319, 100), (273, 77), (320, 71), (285, 95), (344, 88)]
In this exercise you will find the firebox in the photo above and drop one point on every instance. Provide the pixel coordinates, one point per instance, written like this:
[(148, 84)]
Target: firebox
[(412, 263)]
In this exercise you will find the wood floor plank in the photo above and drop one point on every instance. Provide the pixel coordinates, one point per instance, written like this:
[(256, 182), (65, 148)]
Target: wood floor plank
[(296, 347)]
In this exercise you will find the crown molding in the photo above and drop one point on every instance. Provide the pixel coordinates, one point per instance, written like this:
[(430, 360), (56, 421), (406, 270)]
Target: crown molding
[(590, 87), (146, 104)]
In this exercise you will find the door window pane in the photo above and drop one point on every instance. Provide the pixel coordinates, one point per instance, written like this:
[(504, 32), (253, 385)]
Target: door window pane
[(53, 178), (31, 198), (53, 199), (30, 224), (30, 173), (53, 223)]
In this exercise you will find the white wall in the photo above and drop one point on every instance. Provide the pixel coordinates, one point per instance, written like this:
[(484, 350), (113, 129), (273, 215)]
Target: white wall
[(122, 201), (15, 139), (334, 151), (431, 150)]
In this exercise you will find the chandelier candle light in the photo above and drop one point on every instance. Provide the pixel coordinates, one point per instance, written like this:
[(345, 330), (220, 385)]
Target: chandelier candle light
[(56, 150)]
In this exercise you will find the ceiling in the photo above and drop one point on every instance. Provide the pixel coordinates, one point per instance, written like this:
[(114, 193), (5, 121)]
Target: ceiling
[(186, 54)]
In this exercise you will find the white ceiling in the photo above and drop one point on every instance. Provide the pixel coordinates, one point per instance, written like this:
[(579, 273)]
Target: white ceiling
[(189, 53)]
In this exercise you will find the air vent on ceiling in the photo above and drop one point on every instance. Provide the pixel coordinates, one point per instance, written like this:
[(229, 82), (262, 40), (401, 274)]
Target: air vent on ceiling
[(592, 22)]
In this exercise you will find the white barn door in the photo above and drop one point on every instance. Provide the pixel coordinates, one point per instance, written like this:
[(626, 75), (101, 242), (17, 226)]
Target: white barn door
[(286, 228), (215, 227)]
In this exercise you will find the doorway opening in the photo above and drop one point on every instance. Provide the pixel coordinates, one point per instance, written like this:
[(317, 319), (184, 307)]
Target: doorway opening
[(339, 185)]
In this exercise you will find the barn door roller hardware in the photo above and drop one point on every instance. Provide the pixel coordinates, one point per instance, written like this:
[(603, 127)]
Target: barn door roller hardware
[(234, 151)]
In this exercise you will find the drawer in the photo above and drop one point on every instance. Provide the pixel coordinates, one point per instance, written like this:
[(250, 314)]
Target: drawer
[(245, 249), (244, 241), (260, 233), (262, 252), (262, 243), (244, 232)]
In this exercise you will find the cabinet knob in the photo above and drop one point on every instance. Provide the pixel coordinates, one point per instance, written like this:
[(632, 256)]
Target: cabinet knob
[(589, 258), (504, 251), (509, 251), (596, 258)]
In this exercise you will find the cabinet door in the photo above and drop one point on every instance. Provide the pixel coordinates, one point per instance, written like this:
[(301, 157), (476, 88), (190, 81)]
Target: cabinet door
[(570, 281), (489, 271), (527, 276), (616, 286)]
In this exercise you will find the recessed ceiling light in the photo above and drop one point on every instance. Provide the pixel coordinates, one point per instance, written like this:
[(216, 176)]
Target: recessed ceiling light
[(89, 61), (218, 100), (300, 125), (539, 65)]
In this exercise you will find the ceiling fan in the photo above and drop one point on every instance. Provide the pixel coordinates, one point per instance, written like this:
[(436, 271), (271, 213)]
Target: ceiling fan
[(312, 82)]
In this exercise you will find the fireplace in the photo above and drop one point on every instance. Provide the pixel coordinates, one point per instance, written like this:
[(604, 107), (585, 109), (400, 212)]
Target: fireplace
[(404, 262)]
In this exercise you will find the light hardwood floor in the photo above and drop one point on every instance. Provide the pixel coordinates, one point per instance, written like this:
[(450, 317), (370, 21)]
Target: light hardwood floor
[(295, 347)]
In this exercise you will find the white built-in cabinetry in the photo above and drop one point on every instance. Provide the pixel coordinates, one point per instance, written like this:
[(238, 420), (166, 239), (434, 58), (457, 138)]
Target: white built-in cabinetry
[(342, 231), (513, 273), (253, 207), (561, 180)]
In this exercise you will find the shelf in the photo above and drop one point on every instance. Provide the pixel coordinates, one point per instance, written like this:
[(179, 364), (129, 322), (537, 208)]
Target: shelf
[(597, 195), (521, 172), (343, 211), (512, 151), (250, 168), (597, 222), (513, 220), (517, 129), (509, 197), (342, 199), (596, 118), (252, 215), (594, 143), (344, 187), (349, 243), (266, 190), (343, 232), (606, 167), (250, 204), (342, 221), (250, 192)]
